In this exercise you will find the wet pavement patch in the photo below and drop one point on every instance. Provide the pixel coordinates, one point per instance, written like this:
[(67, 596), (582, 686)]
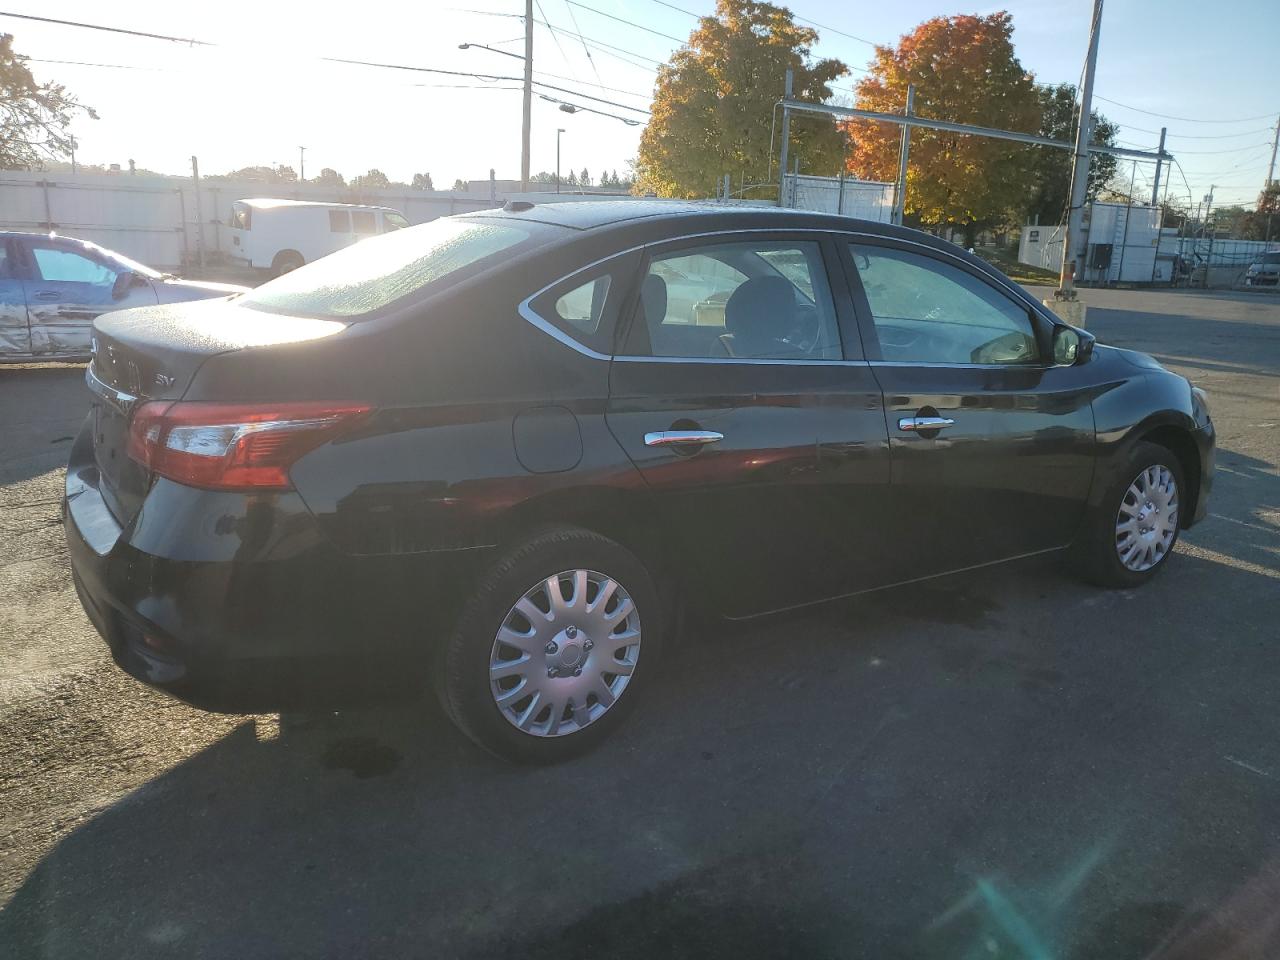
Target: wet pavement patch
[(363, 756)]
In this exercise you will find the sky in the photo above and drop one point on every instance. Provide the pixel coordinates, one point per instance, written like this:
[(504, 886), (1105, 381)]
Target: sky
[(264, 89)]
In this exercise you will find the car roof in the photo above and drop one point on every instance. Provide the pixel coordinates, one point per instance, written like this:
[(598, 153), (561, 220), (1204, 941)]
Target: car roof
[(273, 203), (589, 215)]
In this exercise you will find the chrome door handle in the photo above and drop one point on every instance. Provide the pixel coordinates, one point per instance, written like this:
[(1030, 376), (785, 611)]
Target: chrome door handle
[(916, 424), (46, 296), (666, 438)]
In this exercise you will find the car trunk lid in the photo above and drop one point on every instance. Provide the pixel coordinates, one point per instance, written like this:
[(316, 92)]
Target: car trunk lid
[(154, 353)]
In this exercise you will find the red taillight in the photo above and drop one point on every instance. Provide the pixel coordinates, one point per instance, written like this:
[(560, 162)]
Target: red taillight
[(233, 446)]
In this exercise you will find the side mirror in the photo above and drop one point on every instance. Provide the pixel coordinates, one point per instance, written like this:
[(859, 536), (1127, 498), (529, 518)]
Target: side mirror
[(1071, 346), (126, 280)]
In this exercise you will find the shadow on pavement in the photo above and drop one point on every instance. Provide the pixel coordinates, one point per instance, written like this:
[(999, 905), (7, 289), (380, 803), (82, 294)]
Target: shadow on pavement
[(1014, 763)]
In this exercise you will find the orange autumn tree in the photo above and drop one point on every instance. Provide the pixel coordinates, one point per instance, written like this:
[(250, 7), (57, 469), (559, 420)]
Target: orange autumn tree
[(964, 70)]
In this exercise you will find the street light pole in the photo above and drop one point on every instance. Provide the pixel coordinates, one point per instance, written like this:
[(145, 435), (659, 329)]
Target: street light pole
[(302, 164), (559, 130), (1080, 167), (528, 95)]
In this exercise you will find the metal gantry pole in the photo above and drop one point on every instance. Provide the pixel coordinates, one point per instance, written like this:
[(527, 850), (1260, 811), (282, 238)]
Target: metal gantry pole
[(527, 121), (900, 198), (1080, 166), (1155, 187), (786, 137)]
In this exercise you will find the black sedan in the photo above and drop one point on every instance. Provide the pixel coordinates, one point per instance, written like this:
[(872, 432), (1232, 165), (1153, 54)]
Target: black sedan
[(496, 454)]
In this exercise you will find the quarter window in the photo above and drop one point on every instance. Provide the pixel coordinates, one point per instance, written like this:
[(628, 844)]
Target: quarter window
[(748, 301), (55, 264), (582, 307), (928, 311)]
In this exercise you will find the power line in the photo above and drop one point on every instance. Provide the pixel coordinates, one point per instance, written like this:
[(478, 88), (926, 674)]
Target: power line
[(1169, 116), (629, 23), (81, 63), (93, 26)]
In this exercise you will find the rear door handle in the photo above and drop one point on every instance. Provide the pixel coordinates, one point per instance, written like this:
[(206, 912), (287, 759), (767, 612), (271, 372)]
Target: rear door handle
[(916, 424), (46, 295), (666, 438)]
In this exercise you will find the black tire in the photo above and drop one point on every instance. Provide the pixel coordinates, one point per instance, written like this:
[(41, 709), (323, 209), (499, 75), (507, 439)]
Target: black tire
[(1098, 559), (462, 668), (286, 261)]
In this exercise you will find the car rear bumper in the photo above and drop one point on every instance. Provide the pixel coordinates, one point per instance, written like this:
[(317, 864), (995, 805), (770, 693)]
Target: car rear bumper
[(239, 604)]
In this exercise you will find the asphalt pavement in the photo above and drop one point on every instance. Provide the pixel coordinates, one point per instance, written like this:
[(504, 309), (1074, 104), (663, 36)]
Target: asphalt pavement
[(1003, 764)]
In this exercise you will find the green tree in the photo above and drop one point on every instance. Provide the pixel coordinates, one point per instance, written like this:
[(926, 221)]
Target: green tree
[(964, 70), (259, 174), (422, 181), (713, 105), (571, 180), (35, 118), (330, 177), (1051, 168), (375, 179), (584, 178), (459, 185)]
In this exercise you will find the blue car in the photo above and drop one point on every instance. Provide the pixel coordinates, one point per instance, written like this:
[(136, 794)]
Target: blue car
[(52, 288)]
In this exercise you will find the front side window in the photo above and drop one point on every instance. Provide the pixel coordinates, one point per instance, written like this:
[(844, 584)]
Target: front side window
[(370, 275), (53, 263), (364, 221), (241, 216), (393, 221), (759, 300), (928, 311)]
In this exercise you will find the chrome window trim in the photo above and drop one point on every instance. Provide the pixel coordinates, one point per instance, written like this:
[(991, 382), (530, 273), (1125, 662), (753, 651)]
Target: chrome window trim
[(1038, 365), (526, 311)]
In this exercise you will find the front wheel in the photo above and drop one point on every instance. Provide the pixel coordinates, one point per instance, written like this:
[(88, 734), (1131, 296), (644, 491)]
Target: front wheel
[(1133, 532), (553, 649)]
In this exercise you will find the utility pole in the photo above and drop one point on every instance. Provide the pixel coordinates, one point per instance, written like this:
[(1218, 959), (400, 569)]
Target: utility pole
[(786, 135), (559, 130), (528, 96), (1275, 142), (1080, 167), (900, 201), (302, 164), (1155, 187)]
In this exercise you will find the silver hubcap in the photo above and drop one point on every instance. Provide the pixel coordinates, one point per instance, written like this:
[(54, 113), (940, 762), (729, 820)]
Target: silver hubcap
[(1148, 519), (564, 653)]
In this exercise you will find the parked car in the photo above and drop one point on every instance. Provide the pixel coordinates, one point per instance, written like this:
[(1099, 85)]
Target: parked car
[(282, 235), (493, 455), (52, 288), (1264, 272)]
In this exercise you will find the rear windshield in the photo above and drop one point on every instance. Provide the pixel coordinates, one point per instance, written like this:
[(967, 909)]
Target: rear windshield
[(376, 272)]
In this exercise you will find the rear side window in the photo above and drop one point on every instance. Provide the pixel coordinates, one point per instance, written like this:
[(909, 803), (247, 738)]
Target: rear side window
[(752, 300), (370, 275), (364, 221), (339, 221)]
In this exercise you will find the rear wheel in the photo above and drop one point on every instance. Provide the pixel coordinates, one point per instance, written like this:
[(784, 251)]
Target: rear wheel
[(285, 261), (1136, 527), (551, 652)]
